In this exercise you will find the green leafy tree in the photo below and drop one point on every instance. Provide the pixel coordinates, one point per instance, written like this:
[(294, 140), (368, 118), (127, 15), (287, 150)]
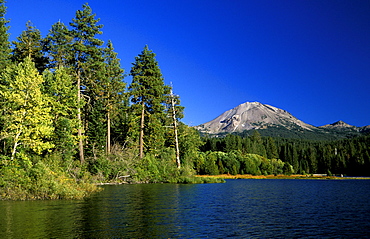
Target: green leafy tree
[(189, 143), (59, 86), (148, 95), (30, 44), (27, 112), (4, 38)]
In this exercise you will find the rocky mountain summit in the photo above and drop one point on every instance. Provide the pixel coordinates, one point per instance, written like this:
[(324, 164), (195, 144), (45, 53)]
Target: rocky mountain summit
[(339, 124), (272, 121), (252, 115)]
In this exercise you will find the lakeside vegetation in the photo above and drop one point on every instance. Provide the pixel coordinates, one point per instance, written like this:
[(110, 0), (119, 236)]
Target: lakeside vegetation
[(282, 176), (299, 156), (69, 121)]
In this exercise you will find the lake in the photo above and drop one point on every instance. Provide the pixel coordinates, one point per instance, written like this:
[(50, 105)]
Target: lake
[(245, 208)]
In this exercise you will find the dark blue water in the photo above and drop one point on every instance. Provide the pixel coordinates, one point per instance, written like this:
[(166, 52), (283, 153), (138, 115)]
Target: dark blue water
[(236, 209)]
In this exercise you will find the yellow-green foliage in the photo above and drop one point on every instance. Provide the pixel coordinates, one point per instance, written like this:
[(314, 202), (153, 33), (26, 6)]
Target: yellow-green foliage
[(27, 118)]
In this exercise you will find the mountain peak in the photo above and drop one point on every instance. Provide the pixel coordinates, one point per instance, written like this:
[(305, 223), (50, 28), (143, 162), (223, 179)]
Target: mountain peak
[(252, 115), (338, 124), (341, 123)]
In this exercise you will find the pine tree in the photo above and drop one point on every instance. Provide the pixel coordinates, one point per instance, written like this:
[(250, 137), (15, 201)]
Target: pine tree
[(257, 144), (4, 38), (86, 59), (97, 121), (271, 149), (110, 88), (148, 96), (30, 44), (58, 44)]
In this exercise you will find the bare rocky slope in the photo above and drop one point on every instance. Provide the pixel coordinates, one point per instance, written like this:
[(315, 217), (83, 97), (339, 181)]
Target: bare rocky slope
[(255, 115), (252, 115)]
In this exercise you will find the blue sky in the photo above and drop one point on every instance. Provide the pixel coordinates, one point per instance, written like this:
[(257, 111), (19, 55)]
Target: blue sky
[(309, 57)]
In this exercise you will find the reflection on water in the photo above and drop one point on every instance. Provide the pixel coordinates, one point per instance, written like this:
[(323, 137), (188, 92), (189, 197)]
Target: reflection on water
[(238, 208)]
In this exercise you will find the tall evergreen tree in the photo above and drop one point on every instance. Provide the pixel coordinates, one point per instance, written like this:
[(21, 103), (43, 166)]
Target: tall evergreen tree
[(4, 38), (30, 44), (96, 138), (58, 44), (110, 88), (86, 59), (148, 96), (271, 149)]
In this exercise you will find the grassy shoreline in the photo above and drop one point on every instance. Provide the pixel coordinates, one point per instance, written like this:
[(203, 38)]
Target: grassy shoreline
[(295, 176)]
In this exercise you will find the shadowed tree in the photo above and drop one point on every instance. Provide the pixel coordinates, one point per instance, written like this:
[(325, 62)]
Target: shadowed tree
[(86, 59), (58, 45), (30, 44), (110, 88), (5, 49), (148, 94)]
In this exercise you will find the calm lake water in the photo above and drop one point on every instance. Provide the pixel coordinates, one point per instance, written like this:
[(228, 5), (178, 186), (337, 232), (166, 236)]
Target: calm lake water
[(247, 208)]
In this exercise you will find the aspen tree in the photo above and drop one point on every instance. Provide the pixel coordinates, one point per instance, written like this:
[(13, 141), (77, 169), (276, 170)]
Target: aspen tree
[(28, 122)]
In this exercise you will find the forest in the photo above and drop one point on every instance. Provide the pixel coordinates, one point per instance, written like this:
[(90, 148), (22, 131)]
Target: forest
[(350, 156), (69, 121)]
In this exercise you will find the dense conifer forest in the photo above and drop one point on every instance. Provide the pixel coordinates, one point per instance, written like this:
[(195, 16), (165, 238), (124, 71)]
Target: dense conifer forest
[(349, 156), (69, 121)]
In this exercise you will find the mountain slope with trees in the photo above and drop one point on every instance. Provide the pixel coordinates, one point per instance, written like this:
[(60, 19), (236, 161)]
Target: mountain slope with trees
[(272, 133)]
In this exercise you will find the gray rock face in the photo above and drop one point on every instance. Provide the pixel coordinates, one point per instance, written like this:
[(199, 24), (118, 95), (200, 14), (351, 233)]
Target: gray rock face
[(252, 115)]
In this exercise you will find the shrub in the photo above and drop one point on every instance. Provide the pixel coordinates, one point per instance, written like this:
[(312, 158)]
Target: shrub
[(41, 181)]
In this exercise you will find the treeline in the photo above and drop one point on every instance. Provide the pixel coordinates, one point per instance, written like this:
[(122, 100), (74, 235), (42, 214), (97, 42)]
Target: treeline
[(235, 162), (346, 156), (68, 118)]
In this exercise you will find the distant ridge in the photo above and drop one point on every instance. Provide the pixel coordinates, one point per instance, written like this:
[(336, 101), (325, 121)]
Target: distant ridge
[(342, 126), (338, 124)]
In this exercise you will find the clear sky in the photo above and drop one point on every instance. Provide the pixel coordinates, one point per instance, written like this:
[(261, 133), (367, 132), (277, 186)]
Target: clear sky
[(309, 57)]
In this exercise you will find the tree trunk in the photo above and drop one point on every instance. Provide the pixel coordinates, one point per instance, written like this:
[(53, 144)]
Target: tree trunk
[(141, 139), (108, 132), (175, 132), (16, 143), (79, 132)]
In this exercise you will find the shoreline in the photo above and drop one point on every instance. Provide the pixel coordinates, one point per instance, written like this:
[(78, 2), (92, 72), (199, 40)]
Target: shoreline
[(250, 176), (293, 176)]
